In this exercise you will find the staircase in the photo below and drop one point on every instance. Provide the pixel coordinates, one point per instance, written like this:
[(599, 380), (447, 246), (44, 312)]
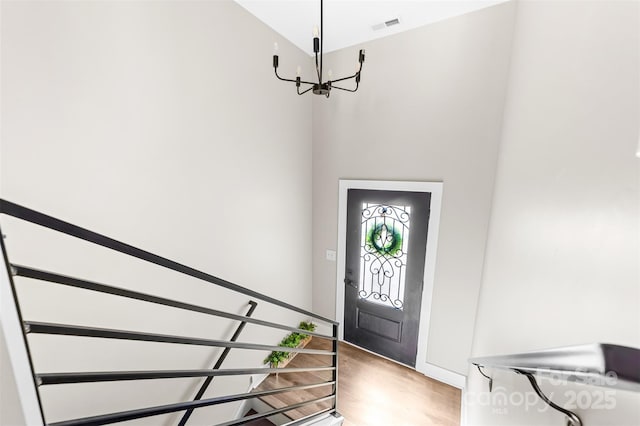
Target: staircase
[(40, 390), (275, 381)]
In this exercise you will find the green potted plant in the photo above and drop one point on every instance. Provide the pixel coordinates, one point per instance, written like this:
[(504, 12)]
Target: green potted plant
[(292, 340)]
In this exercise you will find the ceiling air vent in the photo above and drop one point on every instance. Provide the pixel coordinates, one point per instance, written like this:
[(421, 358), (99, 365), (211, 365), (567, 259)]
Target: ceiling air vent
[(395, 21), (386, 24)]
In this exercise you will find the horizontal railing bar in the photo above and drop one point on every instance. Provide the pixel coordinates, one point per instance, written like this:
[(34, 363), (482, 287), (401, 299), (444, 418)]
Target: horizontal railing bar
[(28, 272), (113, 376), (122, 416), (50, 222), (106, 333), (276, 411)]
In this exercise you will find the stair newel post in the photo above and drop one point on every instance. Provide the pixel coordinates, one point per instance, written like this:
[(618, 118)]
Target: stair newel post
[(17, 345), (335, 364)]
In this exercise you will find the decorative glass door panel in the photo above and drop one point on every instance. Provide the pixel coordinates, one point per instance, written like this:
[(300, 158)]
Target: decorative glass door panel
[(386, 239), (383, 253)]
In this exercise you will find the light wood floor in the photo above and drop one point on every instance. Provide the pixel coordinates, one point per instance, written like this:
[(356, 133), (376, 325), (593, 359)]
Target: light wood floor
[(371, 390)]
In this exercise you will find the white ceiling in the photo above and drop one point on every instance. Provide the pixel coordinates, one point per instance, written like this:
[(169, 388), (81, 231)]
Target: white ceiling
[(350, 22)]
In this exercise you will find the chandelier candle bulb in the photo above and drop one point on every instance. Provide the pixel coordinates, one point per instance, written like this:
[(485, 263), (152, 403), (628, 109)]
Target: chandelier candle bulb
[(298, 71), (275, 55), (316, 31)]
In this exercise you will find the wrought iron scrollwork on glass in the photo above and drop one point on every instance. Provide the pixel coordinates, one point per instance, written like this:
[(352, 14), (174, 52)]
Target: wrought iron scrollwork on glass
[(383, 253)]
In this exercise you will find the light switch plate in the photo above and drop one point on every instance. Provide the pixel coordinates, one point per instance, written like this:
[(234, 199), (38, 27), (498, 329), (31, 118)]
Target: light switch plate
[(331, 255)]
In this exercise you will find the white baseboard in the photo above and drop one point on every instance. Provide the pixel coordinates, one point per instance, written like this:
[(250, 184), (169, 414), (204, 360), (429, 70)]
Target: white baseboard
[(243, 409), (443, 375), (256, 379)]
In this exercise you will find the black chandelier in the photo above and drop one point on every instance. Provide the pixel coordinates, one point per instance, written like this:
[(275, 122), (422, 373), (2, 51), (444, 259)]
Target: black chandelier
[(321, 88)]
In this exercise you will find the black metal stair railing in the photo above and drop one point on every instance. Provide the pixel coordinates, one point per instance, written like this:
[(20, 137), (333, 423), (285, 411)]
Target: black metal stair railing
[(218, 364), (44, 379)]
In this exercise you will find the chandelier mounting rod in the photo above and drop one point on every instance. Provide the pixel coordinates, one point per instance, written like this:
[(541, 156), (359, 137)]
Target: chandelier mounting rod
[(321, 37)]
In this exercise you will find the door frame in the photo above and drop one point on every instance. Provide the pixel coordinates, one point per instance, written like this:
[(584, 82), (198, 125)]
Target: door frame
[(435, 189)]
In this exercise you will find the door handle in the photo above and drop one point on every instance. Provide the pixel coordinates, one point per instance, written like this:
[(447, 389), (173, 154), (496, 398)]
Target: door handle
[(350, 283)]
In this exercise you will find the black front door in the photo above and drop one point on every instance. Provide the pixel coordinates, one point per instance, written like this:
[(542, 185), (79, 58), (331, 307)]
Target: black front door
[(385, 253)]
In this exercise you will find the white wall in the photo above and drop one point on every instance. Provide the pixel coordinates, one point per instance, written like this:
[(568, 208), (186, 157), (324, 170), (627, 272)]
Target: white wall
[(562, 257), (160, 124), (429, 108)]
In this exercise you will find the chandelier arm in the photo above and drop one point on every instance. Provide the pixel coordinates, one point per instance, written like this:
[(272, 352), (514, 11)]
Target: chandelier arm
[(345, 78), (357, 73), (280, 78), (346, 90), (303, 92), (292, 81)]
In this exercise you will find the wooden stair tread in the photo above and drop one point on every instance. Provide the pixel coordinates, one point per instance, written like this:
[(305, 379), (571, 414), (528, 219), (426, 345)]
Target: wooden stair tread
[(282, 380)]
